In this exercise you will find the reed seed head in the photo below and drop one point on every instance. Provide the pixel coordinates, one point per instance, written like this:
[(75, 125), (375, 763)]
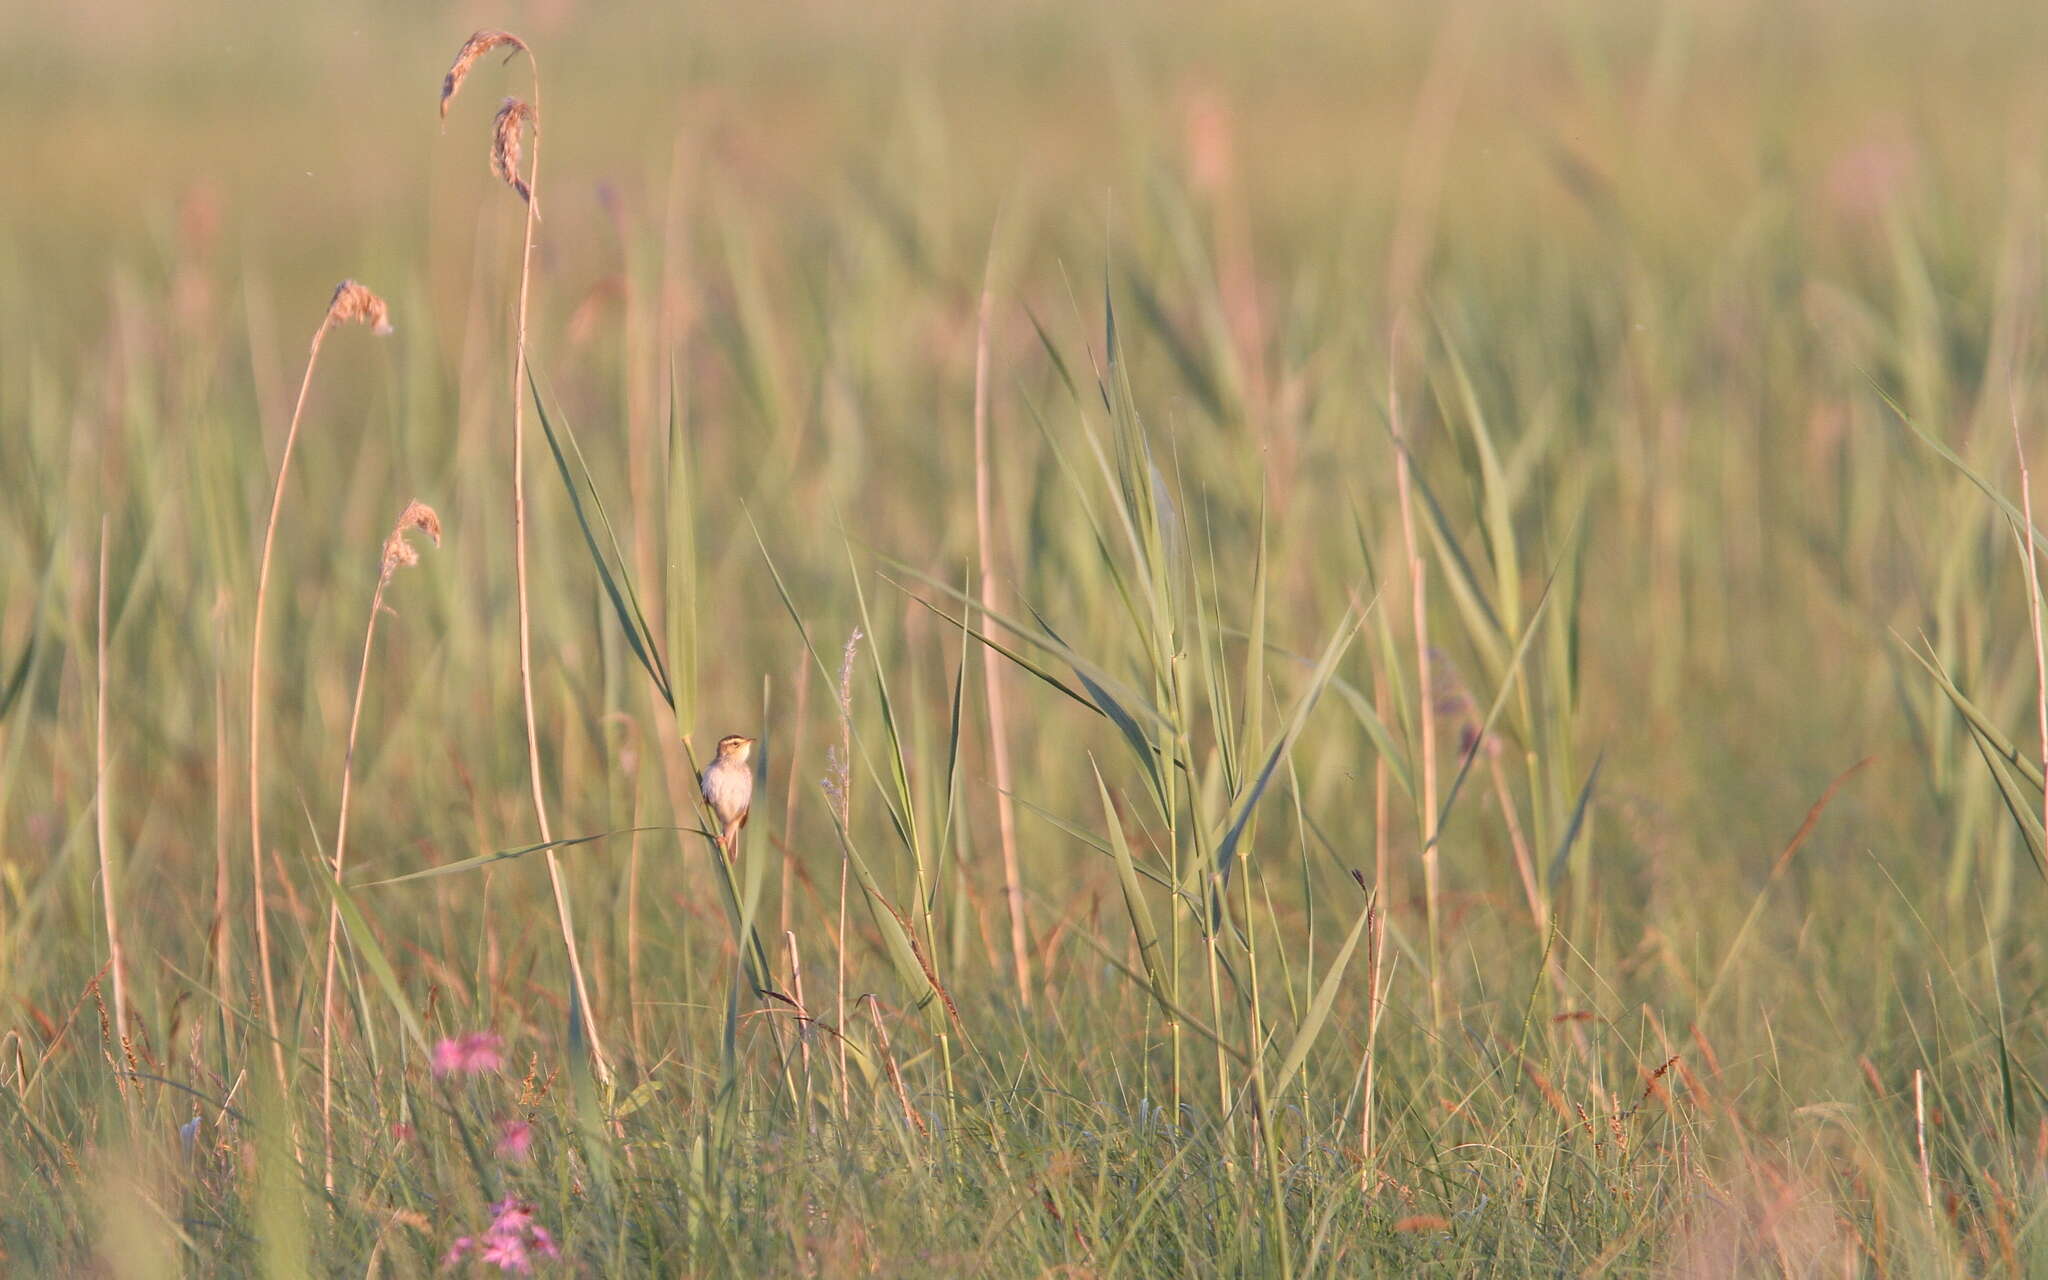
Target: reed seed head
[(399, 553), (513, 116), (467, 57), (353, 304)]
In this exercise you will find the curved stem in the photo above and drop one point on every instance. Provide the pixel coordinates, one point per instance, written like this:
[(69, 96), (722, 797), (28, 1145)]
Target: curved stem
[(256, 708), (540, 807), (102, 822), (348, 761)]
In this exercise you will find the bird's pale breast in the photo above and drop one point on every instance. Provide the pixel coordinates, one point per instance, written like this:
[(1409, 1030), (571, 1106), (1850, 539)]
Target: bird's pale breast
[(729, 789)]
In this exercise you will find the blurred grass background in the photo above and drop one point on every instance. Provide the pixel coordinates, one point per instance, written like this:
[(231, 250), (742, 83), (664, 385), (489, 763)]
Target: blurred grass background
[(1673, 281)]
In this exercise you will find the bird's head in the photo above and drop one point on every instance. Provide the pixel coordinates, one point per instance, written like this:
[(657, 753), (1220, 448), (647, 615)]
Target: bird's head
[(735, 746)]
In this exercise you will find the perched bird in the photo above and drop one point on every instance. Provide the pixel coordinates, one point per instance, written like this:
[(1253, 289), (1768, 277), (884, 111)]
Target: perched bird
[(728, 784)]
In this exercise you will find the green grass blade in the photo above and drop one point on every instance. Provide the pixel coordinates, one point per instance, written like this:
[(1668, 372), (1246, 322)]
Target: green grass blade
[(1318, 1012), (1571, 831), (1135, 905), (1319, 679), (630, 619), (482, 860)]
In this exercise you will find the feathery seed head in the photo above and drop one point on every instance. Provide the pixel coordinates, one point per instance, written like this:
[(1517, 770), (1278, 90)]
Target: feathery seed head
[(472, 50), (513, 116), (398, 553), (353, 304)]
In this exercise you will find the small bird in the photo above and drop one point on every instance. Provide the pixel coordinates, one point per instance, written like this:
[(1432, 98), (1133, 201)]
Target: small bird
[(728, 784)]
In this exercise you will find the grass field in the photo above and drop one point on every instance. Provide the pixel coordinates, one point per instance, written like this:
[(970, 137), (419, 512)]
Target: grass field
[(1383, 641)]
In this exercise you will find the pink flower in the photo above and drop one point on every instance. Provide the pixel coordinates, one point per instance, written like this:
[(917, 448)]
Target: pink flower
[(510, 1241), (470, 1054), (515, 1139), (506, 1253), (545, 1242)]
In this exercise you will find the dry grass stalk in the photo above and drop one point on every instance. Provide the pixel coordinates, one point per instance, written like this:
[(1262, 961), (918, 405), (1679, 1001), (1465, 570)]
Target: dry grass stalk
[(1525, 864), (102, 822), (839, 791), (351, 304), (1376, 959), (1422, 169), (476, 46), (1920, 1140), (2030, 555), (802, 683), (512, 117), (223, 934), (803, 1009), (398, 553), (470, 54), (992, 685), (911, 1118), (629, 762)]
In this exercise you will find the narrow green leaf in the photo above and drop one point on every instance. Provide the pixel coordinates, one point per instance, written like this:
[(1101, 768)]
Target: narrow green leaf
[(1318, 1013), (1983, 724), (380, 964), (506, 855), (1571, 831), (1135, 905), (1319, 679), (1509, 676), (17, 679), (630, 620)]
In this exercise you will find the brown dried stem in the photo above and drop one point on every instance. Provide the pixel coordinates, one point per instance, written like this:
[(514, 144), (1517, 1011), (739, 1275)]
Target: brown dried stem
[(223, 932), (102, 821), (839, 789), (478, 45), (398, 554), (351, 304), (992, 685)]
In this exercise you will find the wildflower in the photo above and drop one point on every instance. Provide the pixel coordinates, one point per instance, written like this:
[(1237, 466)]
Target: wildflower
[(510, 1242), (515, 1139), (511, 1214), (539, 1238), (470, 1054), (506, 1253)]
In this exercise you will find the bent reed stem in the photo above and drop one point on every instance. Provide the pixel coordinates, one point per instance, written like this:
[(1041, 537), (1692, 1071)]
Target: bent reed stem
[(563, 912)]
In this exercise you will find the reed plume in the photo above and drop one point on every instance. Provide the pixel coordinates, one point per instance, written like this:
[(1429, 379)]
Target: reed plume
[(471, 52), (513, 116)]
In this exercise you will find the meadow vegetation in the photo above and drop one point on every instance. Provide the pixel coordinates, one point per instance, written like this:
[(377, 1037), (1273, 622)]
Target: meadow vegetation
[(1382, 640)]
